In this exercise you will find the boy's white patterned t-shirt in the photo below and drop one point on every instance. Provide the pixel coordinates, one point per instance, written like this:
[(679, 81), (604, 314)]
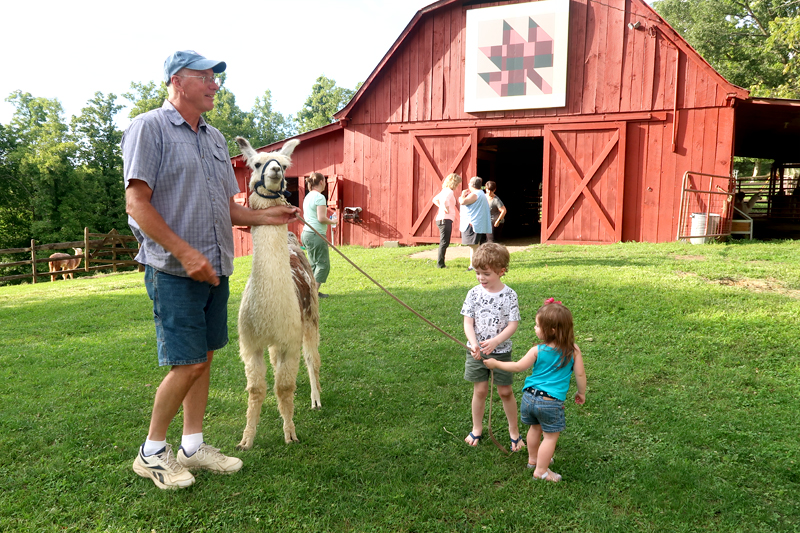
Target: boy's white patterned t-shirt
[(491, 312)]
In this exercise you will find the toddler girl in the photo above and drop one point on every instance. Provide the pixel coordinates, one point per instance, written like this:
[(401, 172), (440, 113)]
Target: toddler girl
[(554, 361)]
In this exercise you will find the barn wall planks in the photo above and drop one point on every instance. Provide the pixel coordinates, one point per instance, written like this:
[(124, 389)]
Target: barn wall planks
[(671, 111)]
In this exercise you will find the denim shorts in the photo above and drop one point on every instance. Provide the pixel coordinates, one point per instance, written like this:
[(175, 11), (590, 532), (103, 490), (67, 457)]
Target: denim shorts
[(537, 411), (191, 316), (476, 371)]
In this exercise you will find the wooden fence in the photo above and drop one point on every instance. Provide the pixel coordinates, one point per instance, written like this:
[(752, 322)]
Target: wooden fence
[(101, 251)]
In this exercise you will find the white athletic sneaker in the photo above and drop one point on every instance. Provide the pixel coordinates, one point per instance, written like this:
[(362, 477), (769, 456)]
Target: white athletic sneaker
[(163, 469), (209, 458)]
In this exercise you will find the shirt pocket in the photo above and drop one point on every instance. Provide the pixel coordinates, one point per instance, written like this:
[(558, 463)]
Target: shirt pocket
[(222, 167)]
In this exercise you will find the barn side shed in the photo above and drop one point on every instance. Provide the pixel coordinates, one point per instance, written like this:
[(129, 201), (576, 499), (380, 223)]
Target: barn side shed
[(641, 108)]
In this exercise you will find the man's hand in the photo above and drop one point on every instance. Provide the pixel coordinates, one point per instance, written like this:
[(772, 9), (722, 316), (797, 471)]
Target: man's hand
[(276, 215), (198, 267)]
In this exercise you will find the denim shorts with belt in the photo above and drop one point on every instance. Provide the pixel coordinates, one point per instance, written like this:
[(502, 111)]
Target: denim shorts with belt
[(540, 409)]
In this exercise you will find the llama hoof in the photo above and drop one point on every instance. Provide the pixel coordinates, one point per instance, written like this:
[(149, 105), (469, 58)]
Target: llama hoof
[(316, 405), (243, 446)]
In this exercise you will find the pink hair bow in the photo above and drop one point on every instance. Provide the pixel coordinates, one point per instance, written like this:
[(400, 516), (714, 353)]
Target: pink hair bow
[(551, 301)]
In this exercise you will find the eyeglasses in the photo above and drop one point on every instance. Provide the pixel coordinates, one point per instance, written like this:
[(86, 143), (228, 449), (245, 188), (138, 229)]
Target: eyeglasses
[(215, 78)]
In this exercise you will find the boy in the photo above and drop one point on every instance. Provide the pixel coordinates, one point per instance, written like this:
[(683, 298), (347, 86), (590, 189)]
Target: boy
[(491, 316)]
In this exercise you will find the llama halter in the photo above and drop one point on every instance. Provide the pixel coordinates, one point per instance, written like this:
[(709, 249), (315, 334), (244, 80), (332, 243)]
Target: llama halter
[(261, 183)]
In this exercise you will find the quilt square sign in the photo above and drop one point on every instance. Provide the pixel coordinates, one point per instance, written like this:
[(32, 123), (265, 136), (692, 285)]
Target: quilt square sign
[(516, 56)]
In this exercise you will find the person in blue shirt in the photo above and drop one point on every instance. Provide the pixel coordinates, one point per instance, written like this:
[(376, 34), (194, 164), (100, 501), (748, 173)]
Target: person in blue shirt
[(476, 220), (545, 390)]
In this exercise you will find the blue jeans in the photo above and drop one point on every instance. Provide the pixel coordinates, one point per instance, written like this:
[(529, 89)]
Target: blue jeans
[(191, 316)]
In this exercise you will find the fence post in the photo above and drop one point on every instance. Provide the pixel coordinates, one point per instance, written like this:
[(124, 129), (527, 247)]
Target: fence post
[(86, 249), (33, 258)]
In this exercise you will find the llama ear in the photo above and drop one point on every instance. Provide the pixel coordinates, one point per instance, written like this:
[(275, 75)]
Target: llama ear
[(289, 146), (244, 146)]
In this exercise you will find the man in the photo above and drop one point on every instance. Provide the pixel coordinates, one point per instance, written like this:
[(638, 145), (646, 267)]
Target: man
[(179, 188)]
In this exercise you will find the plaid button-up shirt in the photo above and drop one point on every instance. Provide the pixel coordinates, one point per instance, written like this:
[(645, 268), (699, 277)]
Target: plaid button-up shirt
[(192, 181)]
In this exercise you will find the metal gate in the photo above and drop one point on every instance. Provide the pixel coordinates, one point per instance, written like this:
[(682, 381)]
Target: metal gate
[(706, 207)]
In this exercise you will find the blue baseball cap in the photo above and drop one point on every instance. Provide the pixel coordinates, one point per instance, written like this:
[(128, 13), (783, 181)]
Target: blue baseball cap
[(191, 60)]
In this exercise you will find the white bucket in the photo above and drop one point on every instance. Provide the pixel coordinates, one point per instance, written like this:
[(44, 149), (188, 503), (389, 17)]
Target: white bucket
[(699, 227)]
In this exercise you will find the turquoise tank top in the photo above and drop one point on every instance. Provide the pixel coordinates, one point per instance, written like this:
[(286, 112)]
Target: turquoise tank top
[(546, 375)]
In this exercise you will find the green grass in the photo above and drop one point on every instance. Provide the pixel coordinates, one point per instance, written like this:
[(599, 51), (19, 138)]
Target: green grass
[(690, 424)]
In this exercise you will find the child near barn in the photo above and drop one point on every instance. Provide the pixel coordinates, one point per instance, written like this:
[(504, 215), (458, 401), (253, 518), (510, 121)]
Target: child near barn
[(491, 316), (545, 390)]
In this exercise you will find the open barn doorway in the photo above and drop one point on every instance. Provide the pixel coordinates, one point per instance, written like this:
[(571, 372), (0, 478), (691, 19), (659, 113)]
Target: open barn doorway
[(515, 165)]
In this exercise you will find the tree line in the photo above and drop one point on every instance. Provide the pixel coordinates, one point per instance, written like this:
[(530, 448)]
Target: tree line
[(57, 177)]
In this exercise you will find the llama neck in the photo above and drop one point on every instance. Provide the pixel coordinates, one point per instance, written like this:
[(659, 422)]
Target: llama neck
[(270, 255), (259, 202)]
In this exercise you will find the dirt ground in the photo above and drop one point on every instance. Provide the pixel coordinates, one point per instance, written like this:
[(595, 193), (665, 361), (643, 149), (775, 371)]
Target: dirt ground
[(456, 250)]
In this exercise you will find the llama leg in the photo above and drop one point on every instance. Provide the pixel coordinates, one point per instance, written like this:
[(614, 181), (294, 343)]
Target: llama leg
[(311, 356), (285, 364), (256, 371), (52, 271)]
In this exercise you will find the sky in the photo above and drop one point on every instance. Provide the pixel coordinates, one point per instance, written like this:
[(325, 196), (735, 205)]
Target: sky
[(71, 50)]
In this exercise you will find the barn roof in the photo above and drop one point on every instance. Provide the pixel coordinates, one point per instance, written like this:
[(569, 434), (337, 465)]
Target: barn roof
[(324, 130), (653, 17)]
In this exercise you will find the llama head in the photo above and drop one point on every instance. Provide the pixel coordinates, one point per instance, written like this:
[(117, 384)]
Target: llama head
[(267, 178)]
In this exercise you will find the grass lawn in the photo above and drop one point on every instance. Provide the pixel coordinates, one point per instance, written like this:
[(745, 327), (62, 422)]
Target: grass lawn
[(691, 421)]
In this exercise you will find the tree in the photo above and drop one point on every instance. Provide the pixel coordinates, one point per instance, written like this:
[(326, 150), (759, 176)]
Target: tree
[(270, 126), (44, 156), (785, 39), (229, 119), (325, 100), (146, 97), (15, 214), (750, 42), (100, 162)]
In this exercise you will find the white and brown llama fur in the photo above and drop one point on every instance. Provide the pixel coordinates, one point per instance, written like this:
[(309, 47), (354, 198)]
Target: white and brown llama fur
[(280, 304), (60, 262)]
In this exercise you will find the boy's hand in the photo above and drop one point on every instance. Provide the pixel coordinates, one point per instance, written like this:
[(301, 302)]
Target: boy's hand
[(490, 363), (580, 399), (476, 353), (489, 345)]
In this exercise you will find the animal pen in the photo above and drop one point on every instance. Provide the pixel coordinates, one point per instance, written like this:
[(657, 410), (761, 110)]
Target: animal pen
[(101, 251)]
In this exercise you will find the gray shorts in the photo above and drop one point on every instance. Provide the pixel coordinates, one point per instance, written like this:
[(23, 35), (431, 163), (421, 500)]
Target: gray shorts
[(476, 371)]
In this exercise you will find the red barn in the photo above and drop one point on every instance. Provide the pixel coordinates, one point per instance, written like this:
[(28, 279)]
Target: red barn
[(617, 111)]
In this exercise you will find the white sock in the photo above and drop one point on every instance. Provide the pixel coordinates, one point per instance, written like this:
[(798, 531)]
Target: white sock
[(153, 446), (191, 443)]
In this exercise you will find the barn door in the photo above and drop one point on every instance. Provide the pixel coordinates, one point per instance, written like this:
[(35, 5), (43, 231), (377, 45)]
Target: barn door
[(434, 155), (335, 202), (583, 185)]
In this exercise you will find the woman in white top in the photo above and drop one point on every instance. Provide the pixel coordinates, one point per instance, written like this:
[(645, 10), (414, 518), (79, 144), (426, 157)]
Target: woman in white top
[(315, 212), (446, 202)]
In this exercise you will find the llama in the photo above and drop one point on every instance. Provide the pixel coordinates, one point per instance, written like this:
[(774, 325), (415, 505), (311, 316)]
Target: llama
[(59, 262), (280, 304)]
